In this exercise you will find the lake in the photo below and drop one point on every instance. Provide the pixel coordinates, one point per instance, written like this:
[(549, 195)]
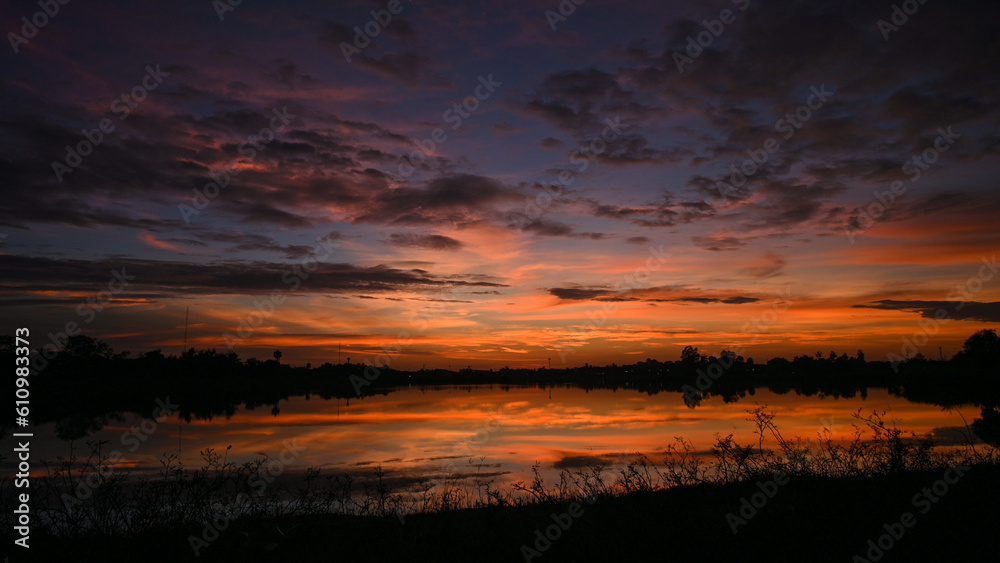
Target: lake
[(425, 433)]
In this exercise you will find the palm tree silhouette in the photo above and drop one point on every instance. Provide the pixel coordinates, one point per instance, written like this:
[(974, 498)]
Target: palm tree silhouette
[(277, 356)]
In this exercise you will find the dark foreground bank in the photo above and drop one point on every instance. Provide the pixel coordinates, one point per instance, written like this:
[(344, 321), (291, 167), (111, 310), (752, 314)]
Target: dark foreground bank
[(941, 515)]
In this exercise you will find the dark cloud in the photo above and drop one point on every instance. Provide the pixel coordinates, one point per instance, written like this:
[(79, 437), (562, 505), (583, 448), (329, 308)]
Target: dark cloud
[(288, 74), (650, 295), (245, 242), (738, 300), (229, 277), (654, 214), (578, 293), (585, 461), (429, 242), (551, 143), (456, 200), (618, 212), (579, 101), (770, 266), (547, 227), (503, 128), (634, 148), (908, 207), (957, 309), (718, 243), (406, 66), (265, 213)]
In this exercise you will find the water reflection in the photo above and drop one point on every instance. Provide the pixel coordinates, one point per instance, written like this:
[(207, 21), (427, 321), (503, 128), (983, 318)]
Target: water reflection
[(420, 433)]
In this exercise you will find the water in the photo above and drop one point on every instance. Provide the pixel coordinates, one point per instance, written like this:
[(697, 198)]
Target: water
[(425, 433)]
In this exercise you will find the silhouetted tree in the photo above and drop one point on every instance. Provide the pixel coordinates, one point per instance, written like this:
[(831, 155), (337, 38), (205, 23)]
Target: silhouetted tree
[(82, 346), (690, 355), (988, 427), (277, 356), (154, 356), (79, 426), (983, 348)]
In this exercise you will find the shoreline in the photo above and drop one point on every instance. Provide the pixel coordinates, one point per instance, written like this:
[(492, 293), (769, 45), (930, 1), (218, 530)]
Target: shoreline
[(799, 521)]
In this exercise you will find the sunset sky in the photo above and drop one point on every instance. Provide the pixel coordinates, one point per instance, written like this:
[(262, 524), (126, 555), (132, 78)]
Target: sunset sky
[(497, 191)]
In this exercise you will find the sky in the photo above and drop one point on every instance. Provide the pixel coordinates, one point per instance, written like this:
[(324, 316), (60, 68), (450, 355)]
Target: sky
[(488, 184)]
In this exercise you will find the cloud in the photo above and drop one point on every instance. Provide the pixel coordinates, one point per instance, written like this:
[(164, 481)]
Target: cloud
[(770, 266), (633, 148), (551, 143), (740, 300), (248, 242), (580, 100), (230, 277), (456, 199), (654, 214), (957, 310), (717, 243), (584, 461), (547, 227), (288, 74), (406, 66), (156, 243), (429, 242), (504, 128), (649, 295), (578, 293)]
